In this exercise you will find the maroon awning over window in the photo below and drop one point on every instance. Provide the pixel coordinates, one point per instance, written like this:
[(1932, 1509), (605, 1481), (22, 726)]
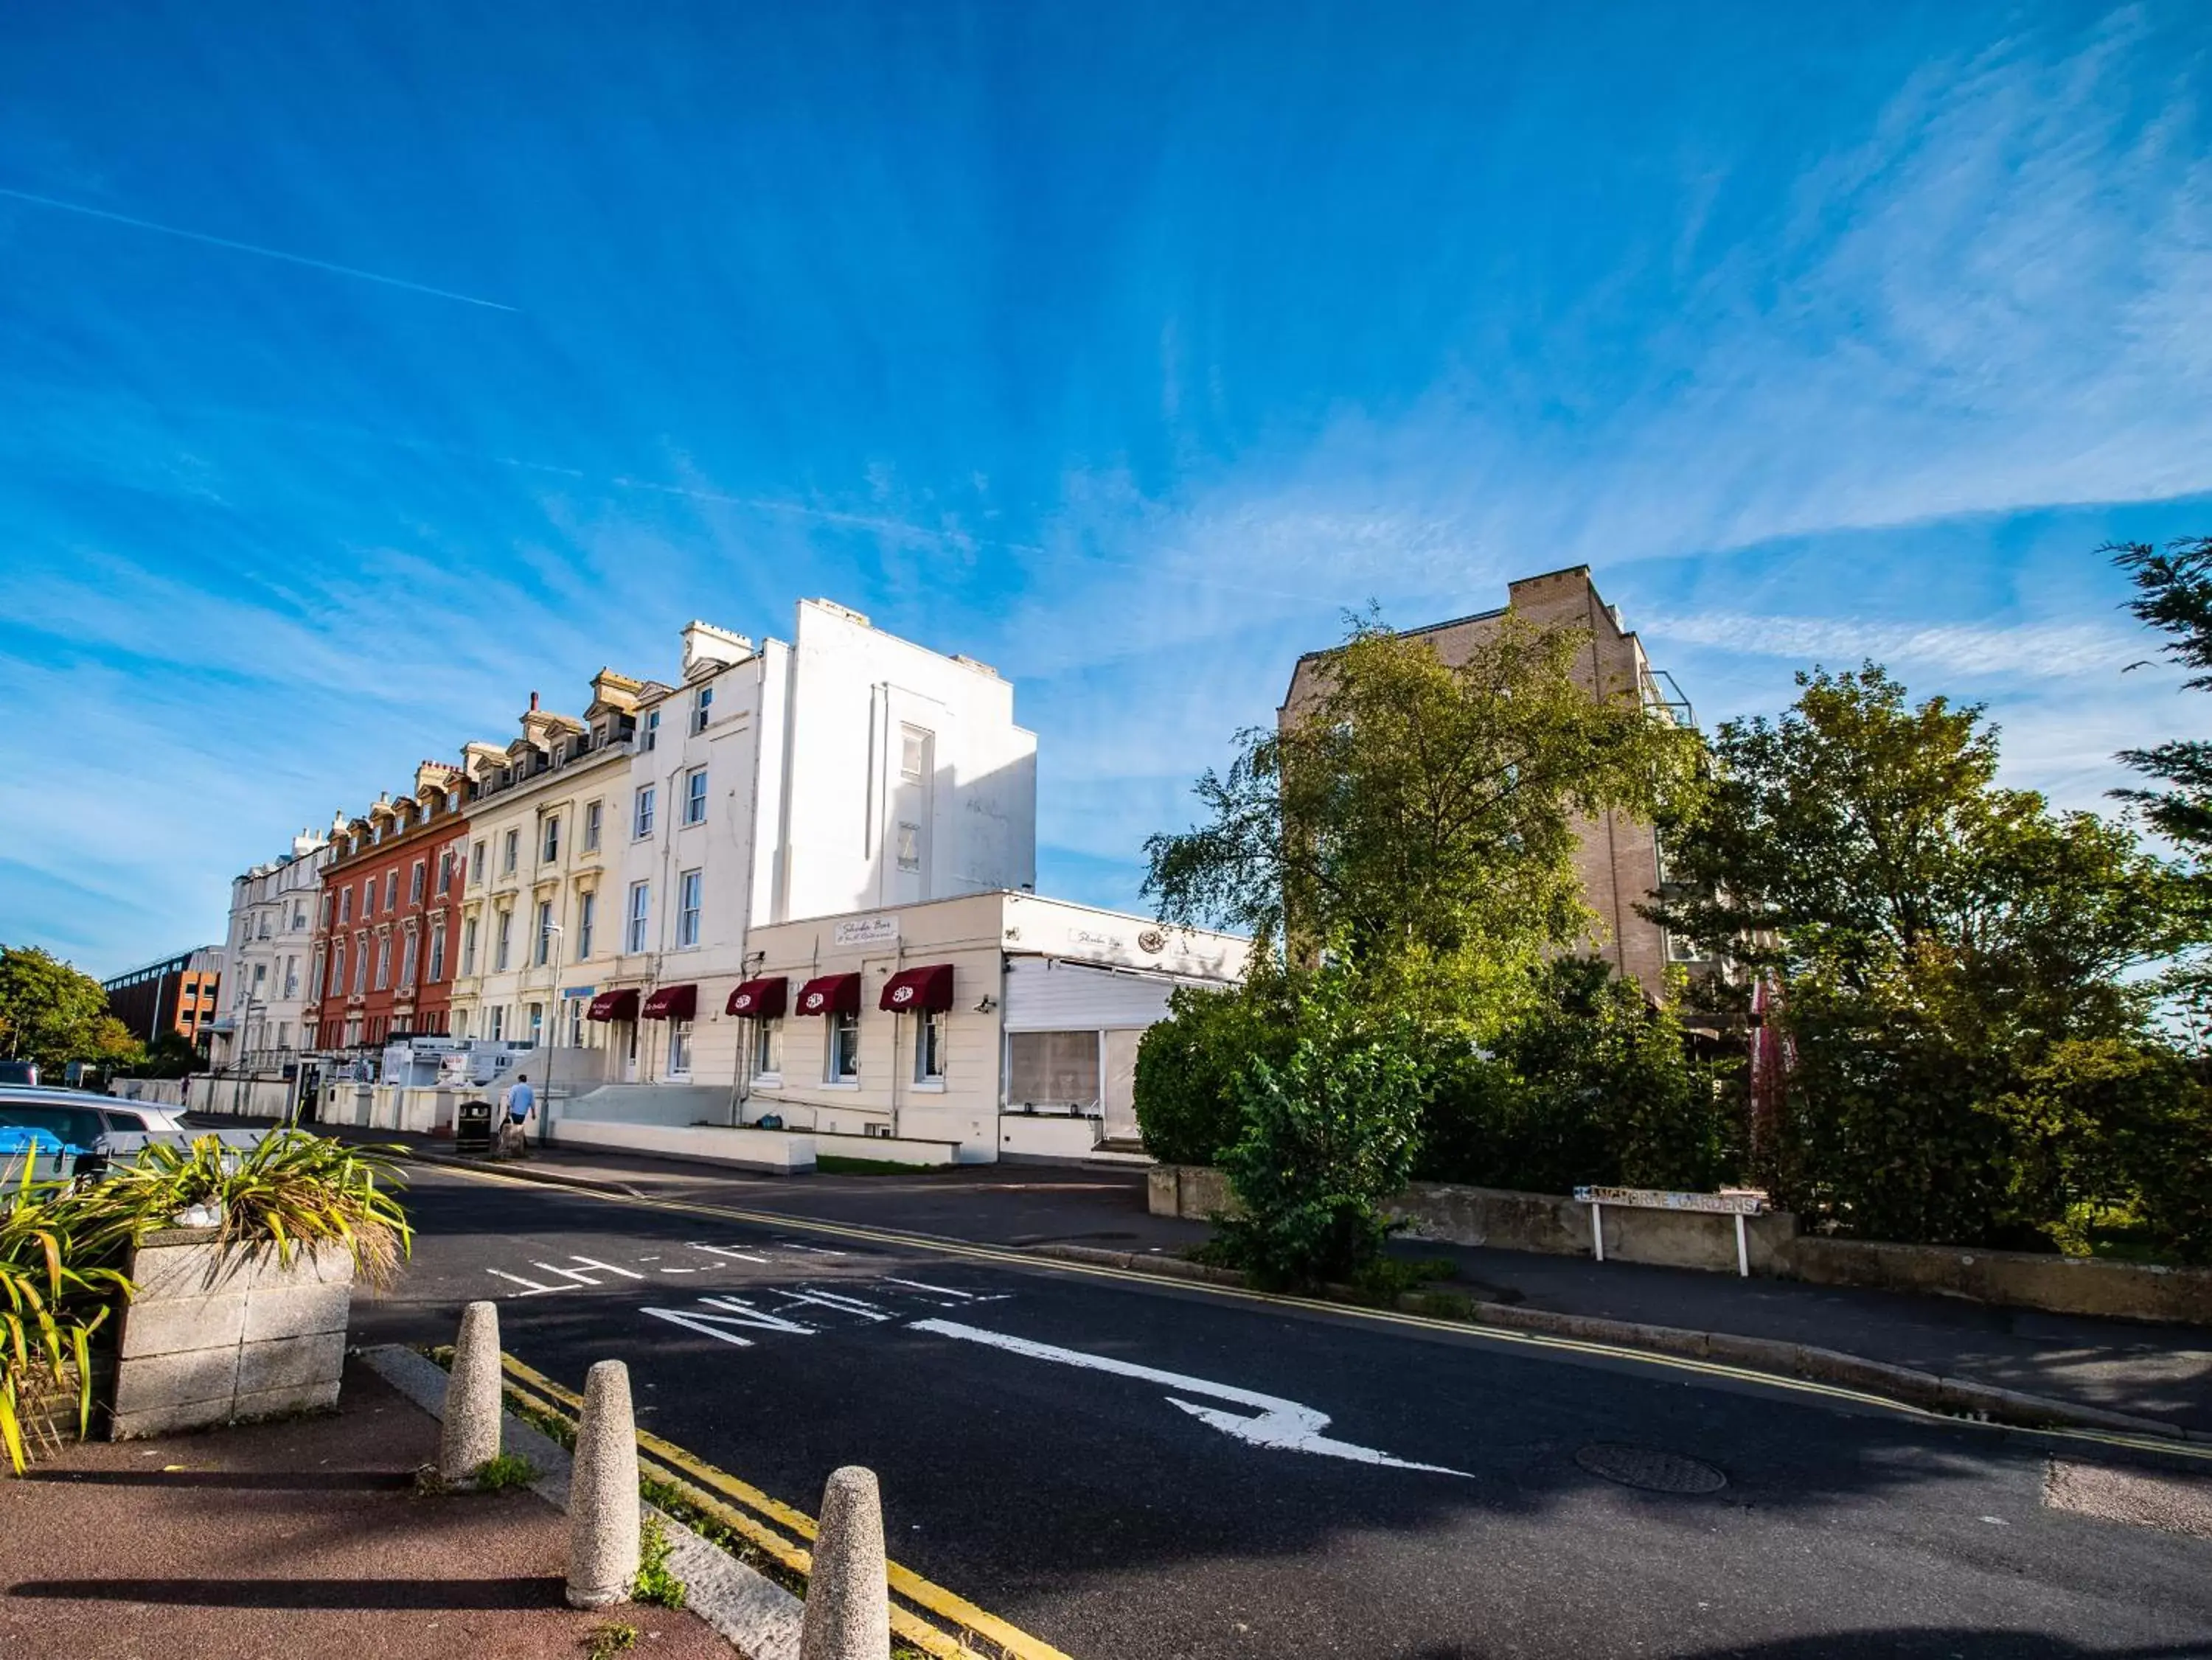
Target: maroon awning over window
[(760, 1000), (614, 1006), (832, 994), (919, 989), (673, 1002)]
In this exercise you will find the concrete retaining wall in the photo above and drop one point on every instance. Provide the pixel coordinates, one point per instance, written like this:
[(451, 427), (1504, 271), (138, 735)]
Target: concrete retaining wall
[(215, 1332), (1556, 1225), (781, 1153)]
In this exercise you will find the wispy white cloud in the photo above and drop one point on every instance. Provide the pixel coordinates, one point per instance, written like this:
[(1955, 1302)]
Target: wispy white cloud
[(2055, 651)]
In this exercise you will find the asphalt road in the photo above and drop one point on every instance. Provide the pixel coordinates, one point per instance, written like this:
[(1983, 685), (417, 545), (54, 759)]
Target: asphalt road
[(1141, 1472)]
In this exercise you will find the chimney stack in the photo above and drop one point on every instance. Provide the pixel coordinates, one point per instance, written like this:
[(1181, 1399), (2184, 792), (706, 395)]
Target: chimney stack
[(533, 703)]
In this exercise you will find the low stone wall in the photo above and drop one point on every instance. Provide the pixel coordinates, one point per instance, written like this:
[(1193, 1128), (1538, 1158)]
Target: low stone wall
[(777, 1152), (216, 1333), (1556, 1225)]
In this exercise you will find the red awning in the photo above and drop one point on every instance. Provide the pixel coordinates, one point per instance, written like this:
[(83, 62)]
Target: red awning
[(760, 1000), (673, 1002), (614, 1006), (918, 989), (832, 994)]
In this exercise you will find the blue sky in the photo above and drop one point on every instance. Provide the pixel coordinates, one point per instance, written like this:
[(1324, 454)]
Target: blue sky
[(366, 367)]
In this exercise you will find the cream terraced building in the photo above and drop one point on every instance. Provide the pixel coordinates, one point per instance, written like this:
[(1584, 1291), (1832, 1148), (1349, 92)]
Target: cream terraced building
[(542, 851)]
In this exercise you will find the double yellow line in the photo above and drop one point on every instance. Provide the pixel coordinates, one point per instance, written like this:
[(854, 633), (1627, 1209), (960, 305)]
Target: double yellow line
[(923, 1613), (2196, 1451)]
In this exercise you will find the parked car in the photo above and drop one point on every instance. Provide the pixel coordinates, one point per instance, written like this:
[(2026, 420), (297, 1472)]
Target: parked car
[(75, 1133), (20, 1072)]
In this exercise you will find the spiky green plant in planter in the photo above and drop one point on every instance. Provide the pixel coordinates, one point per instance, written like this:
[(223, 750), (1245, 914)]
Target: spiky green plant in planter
[(294, 1189), (57, 1285)]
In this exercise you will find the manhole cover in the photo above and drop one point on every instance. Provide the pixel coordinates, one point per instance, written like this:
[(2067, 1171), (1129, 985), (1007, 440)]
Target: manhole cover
[(1651, 1470)]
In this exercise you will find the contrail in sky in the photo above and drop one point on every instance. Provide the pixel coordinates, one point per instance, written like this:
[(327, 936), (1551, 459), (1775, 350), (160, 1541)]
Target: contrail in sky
[(248, 247)]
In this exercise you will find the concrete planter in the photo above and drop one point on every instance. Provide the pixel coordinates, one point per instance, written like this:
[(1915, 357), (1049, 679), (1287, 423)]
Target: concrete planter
[(220, 1333)]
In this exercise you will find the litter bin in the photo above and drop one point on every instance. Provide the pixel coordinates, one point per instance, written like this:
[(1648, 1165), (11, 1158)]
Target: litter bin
[(472, 1127)]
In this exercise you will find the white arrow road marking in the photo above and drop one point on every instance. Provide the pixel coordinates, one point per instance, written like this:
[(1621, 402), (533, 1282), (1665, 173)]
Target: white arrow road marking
[(1281, 1423)]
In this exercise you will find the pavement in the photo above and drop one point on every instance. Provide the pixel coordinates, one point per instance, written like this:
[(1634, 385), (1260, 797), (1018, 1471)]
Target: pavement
[(1142, 1469), (291, 1541), (2161, 1373)]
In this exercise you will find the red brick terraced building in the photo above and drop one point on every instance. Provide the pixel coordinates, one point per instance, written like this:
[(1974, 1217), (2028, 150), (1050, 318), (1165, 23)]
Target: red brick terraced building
[(388, 934)]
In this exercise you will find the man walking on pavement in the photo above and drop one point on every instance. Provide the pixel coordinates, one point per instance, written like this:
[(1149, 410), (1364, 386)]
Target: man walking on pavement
[(520, 1100)]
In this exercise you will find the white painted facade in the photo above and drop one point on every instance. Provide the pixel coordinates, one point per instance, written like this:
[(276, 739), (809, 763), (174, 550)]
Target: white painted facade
[(269, 973), (1035, 1054), (846, 768)]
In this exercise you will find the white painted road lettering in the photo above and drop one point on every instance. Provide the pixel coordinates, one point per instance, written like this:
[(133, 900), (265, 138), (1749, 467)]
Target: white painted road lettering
[(534, 1289), (1286, 1425), (724, 1251)]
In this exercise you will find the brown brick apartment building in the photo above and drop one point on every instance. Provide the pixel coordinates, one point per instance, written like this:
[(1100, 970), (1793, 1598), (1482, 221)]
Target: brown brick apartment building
[(1618, 858), (176, 994)]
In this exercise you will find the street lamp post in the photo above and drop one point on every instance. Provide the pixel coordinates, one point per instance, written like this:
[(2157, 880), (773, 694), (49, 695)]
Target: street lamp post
[(553, 1048)]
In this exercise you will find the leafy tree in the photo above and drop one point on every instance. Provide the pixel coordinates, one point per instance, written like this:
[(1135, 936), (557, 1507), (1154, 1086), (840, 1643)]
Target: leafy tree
[(1961, 967), (1328, 1136), (53, 1013), (2173, 593), (1864, 837), (1421, 816)]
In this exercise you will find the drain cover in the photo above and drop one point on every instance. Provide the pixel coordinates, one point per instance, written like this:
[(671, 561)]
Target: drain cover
[(1649, 1469)]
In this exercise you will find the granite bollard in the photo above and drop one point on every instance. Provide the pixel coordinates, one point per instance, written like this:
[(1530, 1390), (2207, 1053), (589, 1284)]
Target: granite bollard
[(470, 1438), (603, 1499), (848, 1613)]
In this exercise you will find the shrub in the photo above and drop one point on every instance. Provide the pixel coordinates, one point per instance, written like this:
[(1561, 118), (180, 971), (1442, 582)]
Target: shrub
[(1586, 1082), (1188, 1065), (1328, 1136)]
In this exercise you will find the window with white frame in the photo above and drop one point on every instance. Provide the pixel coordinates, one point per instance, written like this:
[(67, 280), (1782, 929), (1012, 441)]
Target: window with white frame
[(299, 915), (360, 964), (409, 948), (679, 1049), (502, 939), (542, 949), (593, 812), (445, 873), (702, 704), (537, 1028), (461, 1022), (695, 796), (841, 1064), (345, 904), (368, 899), (337, 974), (469, 946), (392, 890), (383, 961), (640, 815), (641, 910), (548, 840), (415, 880), (587, 912), (929, 1046), (1054, 1069), (476, 864), (910, 846), (651, 729), (573, 1017), (510, 850), (914, 753), (437, 950), (497, 1016), (292, 977), (767, 1048), (688, 888)]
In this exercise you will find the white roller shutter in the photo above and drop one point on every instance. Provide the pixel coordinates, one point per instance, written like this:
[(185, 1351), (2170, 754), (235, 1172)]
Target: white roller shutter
[(1046, 994)]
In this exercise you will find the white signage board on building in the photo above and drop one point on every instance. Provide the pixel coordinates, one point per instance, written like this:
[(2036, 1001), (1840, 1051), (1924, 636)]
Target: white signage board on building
[(867, 931)]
